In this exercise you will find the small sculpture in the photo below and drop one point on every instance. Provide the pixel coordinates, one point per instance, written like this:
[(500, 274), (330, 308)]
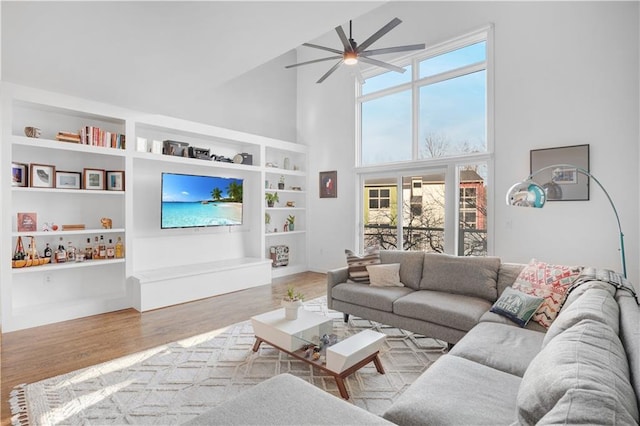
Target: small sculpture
[(106, 223)]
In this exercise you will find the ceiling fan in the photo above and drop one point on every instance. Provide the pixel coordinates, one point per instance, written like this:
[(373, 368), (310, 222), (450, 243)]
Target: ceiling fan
[(353, 52)]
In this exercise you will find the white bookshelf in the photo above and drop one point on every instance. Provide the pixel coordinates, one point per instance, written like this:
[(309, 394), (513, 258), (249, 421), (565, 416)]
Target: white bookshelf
[(32, 296)]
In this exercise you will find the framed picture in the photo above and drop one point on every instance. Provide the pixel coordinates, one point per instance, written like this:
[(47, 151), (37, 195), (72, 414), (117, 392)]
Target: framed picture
[(42, 176), (27, 222), (68, 180), (93, 179), (115, 180), (565, 182), (329, 184), (19, 174)]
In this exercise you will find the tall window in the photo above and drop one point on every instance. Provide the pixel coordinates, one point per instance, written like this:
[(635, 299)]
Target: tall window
[(429, 128)]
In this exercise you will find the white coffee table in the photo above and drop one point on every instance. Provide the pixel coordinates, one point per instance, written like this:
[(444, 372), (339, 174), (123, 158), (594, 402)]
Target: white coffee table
[(293, 336)]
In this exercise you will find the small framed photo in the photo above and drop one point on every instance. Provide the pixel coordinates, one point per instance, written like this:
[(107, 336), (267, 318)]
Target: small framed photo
[(93, 179), (329, 184), (68, 180), (115, 180), (27, 222), (19, 174), (42, 176)]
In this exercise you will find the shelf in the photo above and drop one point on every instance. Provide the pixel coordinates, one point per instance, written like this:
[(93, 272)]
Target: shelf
[(285, 191), (67, 265), (283, 233), (67, 191), (284, 208), (66, 146), (147, 156), (75, 232), (277, 171)]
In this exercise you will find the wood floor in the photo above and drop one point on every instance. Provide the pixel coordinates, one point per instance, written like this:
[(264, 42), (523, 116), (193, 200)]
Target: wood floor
[(38, 353)]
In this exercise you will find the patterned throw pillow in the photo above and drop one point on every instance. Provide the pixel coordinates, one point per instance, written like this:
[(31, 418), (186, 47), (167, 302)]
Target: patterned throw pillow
[(517, 306), (358, 264), (550, 282), (385, 275)]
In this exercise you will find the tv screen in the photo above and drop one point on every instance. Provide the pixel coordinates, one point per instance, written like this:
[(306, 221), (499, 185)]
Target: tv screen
[(195, 201)]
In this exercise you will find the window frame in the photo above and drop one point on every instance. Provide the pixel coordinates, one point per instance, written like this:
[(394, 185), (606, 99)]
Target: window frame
[(451, 164)]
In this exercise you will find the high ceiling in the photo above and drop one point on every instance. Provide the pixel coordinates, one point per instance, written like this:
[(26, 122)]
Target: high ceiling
[(141, 54)]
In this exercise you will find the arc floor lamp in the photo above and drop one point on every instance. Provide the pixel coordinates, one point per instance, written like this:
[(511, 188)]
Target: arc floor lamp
[(530, 194)]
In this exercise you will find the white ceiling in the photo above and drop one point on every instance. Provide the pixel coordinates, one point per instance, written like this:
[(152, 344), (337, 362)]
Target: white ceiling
[(142, 54)]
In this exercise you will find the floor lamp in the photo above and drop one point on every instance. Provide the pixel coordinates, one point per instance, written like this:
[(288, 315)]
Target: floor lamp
[(529, 194)]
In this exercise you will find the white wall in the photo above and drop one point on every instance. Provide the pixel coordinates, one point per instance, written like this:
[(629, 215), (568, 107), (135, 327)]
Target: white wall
[(565, 73)]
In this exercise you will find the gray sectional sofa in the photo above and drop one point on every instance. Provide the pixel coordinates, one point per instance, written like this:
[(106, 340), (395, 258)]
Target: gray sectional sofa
[(583, 369)]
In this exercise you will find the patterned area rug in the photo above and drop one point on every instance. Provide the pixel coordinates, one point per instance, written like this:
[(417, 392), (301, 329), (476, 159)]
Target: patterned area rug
[(173, 383)]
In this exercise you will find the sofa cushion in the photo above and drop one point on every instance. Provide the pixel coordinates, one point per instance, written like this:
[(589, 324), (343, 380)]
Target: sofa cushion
[(384, 275), (548, 281), (357, 265), (456, 391), (507, 275), (584, 407), (452, 310), (470, 276), (380, 298), (410, 265), (519, 307), (588, 356), (596, 304), (503, 347), (492, 317)]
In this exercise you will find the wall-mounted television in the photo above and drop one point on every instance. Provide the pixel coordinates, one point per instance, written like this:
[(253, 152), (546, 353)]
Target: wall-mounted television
[(190, 201)]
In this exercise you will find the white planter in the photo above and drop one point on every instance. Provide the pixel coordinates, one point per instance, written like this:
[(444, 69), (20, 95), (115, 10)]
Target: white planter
[(291, 309)]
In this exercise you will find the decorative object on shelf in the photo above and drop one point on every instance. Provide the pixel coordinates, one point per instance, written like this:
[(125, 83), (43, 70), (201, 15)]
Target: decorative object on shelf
[(272, 198), (296, 188), (267, 218), (93, 179), (286, 163), (279, 255), (291, 303), (291, 222), (281, 182), (175, 148), (42, 176), (530, 194), (68, 180), (115, 180), (271, 165), (243, 158), (18, 252), (156, 147), (329, 184), (291, 204), (221, 158), (73, 227), (141, 144), (199, 153), (562, 183), (19, 174), (49, 226), (32, 132), (95, 136), (27, 222), (106, 223)]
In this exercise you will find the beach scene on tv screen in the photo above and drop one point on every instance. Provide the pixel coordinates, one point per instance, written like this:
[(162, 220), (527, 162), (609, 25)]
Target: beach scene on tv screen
[(193, 201)]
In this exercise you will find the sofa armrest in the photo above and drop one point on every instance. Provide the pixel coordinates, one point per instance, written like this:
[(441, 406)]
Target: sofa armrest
[(335, 277)]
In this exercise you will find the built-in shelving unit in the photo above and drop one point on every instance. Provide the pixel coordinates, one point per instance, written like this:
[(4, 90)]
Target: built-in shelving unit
[(195, 262)]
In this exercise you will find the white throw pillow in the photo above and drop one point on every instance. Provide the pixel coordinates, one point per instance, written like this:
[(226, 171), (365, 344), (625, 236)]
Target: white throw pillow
[(384, 275)]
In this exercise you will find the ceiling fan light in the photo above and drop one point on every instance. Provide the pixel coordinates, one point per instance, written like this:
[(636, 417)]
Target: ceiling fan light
[(350, 58)]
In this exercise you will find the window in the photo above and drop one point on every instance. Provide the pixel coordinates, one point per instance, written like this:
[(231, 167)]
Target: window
[(430, 128)]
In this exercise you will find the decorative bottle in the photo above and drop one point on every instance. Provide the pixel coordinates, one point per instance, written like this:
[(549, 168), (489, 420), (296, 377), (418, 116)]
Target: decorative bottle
[(119, 249), (96, 249), (111, 250), (102, 248), (88, 250), (61, 254), (47, 251), (71, 252)]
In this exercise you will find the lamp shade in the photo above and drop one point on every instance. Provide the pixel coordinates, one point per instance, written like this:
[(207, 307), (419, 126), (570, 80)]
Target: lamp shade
[(526, 194)]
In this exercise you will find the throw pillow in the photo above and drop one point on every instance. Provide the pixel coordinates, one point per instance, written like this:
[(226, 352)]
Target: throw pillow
[(517, 306), (550, 282), (385, 275), (357, 265)]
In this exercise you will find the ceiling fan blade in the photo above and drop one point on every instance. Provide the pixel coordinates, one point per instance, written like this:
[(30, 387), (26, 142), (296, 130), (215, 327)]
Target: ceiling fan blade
[(328, 49), (381, 64), (382, 31), (393, 49), (344, 39), (314, 61), (328, 73)]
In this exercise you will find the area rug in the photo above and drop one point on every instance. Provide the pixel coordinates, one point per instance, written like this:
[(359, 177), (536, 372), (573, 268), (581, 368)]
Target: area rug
[(173, 383)]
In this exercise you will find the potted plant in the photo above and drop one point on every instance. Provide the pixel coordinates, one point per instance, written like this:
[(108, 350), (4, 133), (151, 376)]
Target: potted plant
[(271, 197), (267, 218), (291, 220), (281, 182), (291, 303)]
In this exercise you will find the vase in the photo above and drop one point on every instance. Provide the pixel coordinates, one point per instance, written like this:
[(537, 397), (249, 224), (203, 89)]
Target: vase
[(291, 226), (291, 309)]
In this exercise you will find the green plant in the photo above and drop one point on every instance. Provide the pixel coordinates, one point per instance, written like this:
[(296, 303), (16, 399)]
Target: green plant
[(267, 218), (293, 296), (291, 219), (271, 197), (281, 179)]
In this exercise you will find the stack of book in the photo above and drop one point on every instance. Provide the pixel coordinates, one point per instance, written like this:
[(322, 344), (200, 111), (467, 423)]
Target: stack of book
[(68, 137), (91, 135)]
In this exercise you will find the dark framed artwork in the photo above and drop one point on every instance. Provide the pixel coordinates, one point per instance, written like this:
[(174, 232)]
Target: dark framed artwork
[(329, 184), (93, 179), (19, 174), (115, 180), (42, 176), (565, 182)]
